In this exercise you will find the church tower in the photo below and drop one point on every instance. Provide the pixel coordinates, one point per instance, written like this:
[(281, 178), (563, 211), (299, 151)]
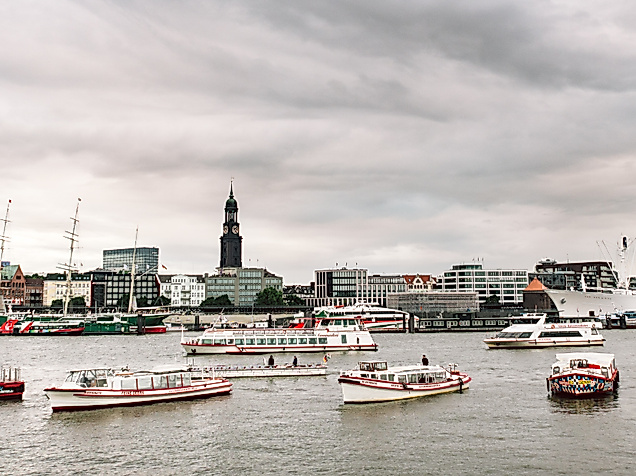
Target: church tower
[(231, 241)]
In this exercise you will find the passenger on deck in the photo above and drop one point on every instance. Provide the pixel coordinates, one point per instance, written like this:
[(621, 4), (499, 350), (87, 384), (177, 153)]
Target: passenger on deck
[(295, 361), (424, 359), (270, 361)]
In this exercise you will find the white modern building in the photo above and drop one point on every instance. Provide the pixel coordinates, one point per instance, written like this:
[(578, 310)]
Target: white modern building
[(183, 290), (507, 284)]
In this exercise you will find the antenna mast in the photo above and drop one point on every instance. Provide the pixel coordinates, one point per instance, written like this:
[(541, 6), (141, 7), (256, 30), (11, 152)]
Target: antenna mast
[(68, 267)]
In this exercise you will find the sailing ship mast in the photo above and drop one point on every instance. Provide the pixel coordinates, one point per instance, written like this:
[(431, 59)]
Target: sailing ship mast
[(132, 274), (4, 236), (68, 267)]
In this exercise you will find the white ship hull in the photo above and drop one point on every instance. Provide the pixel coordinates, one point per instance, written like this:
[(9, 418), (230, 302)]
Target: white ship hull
[(372, 391), (93, 398), (226, 371), (579, 303), (199, 349), (494, 343)]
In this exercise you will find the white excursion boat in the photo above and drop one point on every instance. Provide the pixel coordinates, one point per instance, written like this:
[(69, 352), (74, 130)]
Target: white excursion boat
[(581, 375), (91, 389), (329, 335), (375, 318), (252, 371), (548, 332), (375, 381)]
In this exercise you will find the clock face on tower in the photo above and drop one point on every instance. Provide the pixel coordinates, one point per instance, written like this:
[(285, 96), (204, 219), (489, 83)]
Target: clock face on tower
[(235, 230), (225, 230)]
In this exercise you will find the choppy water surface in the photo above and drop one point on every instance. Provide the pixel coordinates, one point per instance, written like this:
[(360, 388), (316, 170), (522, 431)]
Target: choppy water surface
[(505, 423)]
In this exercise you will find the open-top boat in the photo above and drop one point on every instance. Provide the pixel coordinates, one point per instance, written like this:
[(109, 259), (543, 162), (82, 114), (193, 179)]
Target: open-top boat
[(90, 389), (375, 381)]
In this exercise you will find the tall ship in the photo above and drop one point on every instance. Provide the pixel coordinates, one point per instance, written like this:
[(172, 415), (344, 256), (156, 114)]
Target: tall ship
[(600, 301), (329, 335), (374, 317)]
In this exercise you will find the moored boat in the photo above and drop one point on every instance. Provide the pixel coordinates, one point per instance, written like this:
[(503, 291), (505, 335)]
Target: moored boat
[(329, 335), (375, 318), (95, 388), (548, 332), (583, 374), (11, 384), (375, 381), (47, 328)]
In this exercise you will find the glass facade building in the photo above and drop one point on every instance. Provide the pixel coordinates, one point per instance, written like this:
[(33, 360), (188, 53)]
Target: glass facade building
[(146, 259)]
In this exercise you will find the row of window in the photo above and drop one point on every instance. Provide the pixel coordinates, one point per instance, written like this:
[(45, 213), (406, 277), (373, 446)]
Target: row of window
[(268, 341)]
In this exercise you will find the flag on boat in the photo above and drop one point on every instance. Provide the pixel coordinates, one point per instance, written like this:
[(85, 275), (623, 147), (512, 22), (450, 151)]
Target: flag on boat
[(163, 266), (326, 358)]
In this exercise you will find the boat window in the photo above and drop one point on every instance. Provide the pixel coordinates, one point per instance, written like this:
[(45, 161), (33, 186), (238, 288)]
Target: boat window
[(325, 322), (206, 341), (380, 365), (604, 372), (128, 383), (282, 341), (172, 380), (230, 341), (271, 341), (352, 322), (312, 340), (525, 335), (374, 376), (249, 341), (291, 340), (364, 375), (238, 341), (322, 340), (402, 378), (412, 378), (343, 338), (391, 378), (302, 340), (560, 333), (345, 322), (260, 341), (160, 381), (337, 322), (187, 379), (219, 341), (144, 383), (383, 377)]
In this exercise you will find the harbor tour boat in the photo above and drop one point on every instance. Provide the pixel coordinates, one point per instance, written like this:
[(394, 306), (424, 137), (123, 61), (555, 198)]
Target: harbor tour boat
[(581, 375), (18, 327), (329, 335), (11, 384), (375, 381), (90, 389), (375, 318), (548, 332)]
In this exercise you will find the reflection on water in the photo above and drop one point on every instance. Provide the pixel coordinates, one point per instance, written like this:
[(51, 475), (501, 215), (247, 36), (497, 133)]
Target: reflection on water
[(584, 405)]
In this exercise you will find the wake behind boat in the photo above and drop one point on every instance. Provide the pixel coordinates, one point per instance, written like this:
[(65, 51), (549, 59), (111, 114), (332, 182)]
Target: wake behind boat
[(548, 332), (375, 381), (90, 389)]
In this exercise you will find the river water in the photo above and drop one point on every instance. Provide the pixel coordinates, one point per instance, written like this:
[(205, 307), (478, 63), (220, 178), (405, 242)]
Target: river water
[(504, 424)]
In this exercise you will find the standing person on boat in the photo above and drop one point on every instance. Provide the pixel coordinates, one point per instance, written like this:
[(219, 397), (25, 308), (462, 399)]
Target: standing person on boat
[(270, 362), (295, 361), (424, 359)]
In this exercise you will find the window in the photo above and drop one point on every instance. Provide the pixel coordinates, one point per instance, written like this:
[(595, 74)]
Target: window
[(322, 340), (260, 341), (302, 340), (282, 341), (291, 340), (343, 338), (312, 340), (238, 341), (271, 341)]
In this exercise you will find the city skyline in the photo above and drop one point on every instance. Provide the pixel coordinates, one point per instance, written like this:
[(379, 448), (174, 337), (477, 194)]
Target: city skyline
[(399, 137)]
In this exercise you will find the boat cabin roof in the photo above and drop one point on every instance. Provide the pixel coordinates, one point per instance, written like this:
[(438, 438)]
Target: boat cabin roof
[(591, 357)]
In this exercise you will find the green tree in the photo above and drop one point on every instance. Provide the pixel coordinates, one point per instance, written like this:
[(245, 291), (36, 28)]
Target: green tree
[(57, 304), (492, 299), (293, 300), (269, 297), (223, 300)]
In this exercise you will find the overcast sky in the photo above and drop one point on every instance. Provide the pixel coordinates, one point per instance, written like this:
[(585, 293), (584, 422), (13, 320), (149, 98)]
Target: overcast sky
[(401, 136)]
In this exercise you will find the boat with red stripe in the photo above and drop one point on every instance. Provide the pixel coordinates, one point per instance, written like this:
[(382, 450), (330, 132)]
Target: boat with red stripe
[(375, 381), (96, 388), (11, 384), (583, 375)]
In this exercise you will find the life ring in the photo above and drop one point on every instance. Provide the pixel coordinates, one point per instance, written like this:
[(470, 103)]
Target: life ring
[(552, 326)]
